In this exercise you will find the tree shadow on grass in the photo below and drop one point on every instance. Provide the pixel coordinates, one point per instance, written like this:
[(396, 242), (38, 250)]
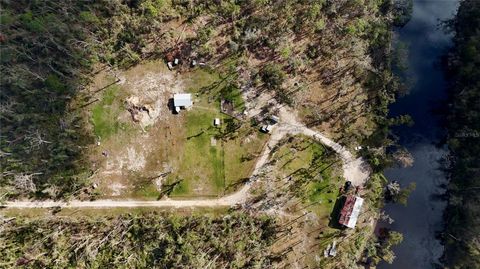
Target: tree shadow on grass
[(334, 216), (167, 189), (239, 182)]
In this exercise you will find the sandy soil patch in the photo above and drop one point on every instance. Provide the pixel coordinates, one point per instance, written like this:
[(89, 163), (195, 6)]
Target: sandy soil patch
[(142, 150)]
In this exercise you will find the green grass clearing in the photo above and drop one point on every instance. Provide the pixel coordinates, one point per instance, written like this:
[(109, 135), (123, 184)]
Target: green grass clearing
[(201, 167), (207, 170), (105, 113), (315, 171), (215, 87), (203, 162)]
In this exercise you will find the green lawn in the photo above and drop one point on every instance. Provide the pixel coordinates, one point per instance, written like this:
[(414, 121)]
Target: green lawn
[(212, 85), (105, 113), (241, 155), (315, 170), (201, 168), (207, 170)]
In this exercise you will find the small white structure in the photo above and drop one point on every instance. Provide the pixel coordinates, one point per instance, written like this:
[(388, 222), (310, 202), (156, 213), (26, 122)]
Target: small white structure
[(267, 128), (182, 101), (216, 122), (331, 250), (274, 119)]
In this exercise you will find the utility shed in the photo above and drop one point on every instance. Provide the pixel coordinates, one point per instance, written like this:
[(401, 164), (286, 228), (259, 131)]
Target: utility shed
[(182, 100), (274, 119), (350, 211)]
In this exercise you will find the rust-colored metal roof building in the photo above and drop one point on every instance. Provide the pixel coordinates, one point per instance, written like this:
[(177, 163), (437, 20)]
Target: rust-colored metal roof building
[(350, 211)]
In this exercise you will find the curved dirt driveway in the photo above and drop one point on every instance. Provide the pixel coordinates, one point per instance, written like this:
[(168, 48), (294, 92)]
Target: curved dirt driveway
[(354, 170)]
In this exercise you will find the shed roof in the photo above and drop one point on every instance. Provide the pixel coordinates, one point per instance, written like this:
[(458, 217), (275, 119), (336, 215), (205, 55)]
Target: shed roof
[(351, 211), (182, 99)]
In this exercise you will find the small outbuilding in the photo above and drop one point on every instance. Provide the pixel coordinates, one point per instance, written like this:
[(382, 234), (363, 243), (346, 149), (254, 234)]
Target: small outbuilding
[(182, 101), (350, 211), (216, 122), (267, 128), (274, 119)]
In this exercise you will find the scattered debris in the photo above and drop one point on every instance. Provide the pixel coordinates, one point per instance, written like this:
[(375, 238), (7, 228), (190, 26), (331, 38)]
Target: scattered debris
[(331, 250), (135, 108), (393, 188), (227, 107)]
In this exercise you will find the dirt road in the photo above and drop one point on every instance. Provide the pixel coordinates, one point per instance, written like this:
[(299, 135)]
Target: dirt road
[(354, 170)]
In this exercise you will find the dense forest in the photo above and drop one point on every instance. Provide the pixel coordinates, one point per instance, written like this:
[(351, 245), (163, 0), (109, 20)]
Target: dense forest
[(138, 241), (463, 122)]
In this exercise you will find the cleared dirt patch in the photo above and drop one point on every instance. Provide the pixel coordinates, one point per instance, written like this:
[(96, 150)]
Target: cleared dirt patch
[(145, 151), (133, 143)]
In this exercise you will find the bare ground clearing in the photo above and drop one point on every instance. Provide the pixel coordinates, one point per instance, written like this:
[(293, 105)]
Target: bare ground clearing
[(354, 170), (143, 149)]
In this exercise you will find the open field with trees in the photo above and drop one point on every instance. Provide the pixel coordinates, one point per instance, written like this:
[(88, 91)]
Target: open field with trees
[(303, 185), (87, 113), (44, 72), (155, 153)]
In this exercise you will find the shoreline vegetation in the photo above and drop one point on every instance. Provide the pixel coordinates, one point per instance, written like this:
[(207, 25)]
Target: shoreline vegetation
[(462, 229), (52, 50)]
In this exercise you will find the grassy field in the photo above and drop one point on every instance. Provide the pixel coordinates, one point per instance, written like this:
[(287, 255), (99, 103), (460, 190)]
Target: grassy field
[(203, 160), (315, 171), (201, 168), (106, 111), (241, 155), (214, 170)]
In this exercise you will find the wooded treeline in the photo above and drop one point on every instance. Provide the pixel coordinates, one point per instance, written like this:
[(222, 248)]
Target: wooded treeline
[(138, 241), (462, 235)]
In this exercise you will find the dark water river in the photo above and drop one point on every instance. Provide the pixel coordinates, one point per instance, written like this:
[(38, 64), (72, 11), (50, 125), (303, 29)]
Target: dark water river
[(422, 217)]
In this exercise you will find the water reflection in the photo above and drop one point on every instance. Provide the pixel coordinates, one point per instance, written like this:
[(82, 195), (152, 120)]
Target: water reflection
[(422, 217)]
